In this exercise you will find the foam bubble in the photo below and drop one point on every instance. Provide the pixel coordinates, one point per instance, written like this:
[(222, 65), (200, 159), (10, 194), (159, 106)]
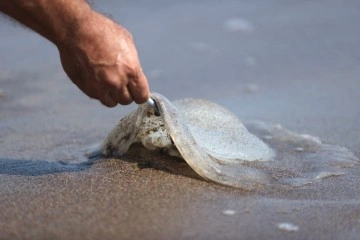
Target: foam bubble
[(229, 212), (238, 25), (288, 227)]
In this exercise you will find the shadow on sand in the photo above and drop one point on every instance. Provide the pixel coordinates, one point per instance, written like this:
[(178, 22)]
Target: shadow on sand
[(137, 154), (38, 167), (157, 160)]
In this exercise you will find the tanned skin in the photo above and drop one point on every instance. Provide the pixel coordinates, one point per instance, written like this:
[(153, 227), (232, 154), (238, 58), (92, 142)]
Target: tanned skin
[(97, 54)]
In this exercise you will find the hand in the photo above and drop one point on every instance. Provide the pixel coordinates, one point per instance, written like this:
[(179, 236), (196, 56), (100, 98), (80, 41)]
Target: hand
[(100, 57)]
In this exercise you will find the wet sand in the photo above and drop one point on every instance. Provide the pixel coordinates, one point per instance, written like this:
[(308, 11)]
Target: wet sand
[(296, 64)]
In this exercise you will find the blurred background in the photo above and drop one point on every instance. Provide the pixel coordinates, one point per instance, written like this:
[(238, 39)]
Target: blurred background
[(295, 63), (291, 62)]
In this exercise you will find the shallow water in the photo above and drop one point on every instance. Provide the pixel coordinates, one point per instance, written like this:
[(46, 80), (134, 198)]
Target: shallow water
[(300, 158), (215, 143)]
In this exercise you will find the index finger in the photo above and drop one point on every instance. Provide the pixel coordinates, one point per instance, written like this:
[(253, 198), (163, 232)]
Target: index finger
[(139, 88)]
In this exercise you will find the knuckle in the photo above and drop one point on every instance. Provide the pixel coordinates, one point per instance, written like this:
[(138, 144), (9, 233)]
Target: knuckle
[(131, 71), (108, 78), (113, 82)]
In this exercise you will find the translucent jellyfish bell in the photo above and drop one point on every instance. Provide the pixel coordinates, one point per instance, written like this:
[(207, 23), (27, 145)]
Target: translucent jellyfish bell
[(217, 146)]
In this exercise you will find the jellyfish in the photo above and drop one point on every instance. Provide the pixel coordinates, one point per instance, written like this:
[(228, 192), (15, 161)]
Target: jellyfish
[(220, 148)]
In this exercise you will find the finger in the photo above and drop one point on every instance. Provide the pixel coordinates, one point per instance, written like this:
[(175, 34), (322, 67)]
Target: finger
[(123, 96), (93, 90), (117, 95), (139, 88), (108, 100)]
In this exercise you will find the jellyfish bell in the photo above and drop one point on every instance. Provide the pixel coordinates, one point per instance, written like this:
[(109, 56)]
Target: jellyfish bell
[(218, 146)]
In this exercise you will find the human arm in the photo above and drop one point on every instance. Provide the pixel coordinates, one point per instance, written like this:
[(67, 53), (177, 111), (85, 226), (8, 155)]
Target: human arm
[(97, 54)]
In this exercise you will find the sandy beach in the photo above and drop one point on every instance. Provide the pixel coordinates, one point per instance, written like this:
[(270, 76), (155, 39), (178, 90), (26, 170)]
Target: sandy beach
[(290, 63)]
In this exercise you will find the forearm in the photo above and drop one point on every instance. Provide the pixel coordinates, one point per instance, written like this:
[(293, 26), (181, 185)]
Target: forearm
[(97, 54), (54, 19)]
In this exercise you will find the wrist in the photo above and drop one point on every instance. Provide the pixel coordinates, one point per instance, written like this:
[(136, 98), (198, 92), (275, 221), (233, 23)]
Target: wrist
[(73, 24)]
